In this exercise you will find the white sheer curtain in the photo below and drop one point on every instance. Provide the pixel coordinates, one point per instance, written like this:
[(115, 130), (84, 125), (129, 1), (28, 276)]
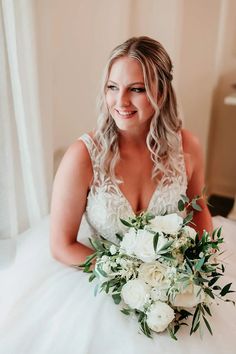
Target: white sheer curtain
[(24, 184)]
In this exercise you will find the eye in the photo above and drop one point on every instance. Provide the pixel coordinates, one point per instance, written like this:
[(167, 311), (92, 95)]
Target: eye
[(111, 87), (138, 89)]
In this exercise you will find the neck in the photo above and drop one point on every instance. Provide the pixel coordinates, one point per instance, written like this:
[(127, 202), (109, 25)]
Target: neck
[(132, 144)]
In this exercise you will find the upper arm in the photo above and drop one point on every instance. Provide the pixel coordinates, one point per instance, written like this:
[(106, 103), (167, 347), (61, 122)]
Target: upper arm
[(69, 196), (201, 220), (192, 147)]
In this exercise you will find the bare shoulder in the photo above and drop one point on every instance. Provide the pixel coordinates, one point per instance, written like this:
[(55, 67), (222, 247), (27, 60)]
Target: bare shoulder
[(77, 153), (76, 163), (191, 144), (193, 155)]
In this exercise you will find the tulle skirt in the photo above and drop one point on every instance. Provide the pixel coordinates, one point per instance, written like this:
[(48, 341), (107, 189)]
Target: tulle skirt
[(49, 308)]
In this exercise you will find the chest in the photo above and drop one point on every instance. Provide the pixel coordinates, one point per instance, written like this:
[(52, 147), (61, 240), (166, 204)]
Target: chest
[(138, 186)]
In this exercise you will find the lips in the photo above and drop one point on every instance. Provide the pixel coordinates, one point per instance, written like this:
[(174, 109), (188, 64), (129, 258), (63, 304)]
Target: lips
[(126, 114)]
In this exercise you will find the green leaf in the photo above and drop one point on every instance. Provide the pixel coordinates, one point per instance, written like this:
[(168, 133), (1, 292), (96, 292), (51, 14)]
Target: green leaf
[(213, 281), (116, 298), (181, 205), (207, 325), (184, 314), (208, 291), (207, 309), (196, 206), (199, 264), (216, 287), (126, 311), (171, 333), (146, 330), (225, 289), (195, 321), (219, 232), (188, 218), (120, 237), (100, 271), (92, 277), (155, 241), (126, 223), (185, 198)]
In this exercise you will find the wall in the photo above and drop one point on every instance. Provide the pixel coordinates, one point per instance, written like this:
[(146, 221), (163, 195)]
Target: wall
[(222, 136), (82, 33)]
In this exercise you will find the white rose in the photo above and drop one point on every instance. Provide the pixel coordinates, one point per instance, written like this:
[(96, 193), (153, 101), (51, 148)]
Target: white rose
[(128, 243), (169, 224), (135, 293), (189, 231), (152, 273), (190, 296), (144, 249), (160, 316)]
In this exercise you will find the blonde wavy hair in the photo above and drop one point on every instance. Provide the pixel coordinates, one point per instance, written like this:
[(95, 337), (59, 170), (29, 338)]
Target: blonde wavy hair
[(163, 139)]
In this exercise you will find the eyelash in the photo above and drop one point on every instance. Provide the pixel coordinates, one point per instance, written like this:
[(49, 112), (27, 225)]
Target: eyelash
[(136, 89)]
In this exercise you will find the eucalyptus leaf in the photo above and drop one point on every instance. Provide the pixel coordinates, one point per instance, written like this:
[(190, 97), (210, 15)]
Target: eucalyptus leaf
[(196, 206), (185, 198), (181, 205)]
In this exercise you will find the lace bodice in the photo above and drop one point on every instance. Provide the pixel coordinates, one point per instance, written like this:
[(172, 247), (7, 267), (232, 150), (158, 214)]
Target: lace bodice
[(106, 204)]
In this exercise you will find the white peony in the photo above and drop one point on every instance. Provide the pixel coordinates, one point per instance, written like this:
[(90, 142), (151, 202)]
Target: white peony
[(160, 316), (189, 297), (128, 243), (169, 224), (135, 293), (144, 249), (152, 273)]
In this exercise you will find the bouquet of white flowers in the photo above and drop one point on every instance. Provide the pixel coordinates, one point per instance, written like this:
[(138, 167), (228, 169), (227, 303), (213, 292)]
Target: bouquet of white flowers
[(160, 269)]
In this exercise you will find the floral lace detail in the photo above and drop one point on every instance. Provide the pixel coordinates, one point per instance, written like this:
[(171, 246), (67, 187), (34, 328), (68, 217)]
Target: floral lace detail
[(106, 204)]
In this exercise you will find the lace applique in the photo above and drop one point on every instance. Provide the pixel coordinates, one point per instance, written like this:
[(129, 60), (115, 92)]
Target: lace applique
[(106, 204)]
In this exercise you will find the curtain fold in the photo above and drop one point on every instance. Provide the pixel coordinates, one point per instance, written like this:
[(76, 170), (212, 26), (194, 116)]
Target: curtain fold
[(24, 189)]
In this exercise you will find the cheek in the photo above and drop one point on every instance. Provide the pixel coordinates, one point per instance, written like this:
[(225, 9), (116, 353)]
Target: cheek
[(145, 103), (109, 99)]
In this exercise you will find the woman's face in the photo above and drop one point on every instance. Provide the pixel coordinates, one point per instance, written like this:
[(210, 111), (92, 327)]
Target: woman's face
[(126, 95)]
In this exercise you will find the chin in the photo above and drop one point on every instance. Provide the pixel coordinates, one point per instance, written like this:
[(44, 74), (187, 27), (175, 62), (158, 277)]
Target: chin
[(125, 125)]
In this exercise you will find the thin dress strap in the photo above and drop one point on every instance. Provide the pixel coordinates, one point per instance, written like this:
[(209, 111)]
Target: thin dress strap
[(93, 153)]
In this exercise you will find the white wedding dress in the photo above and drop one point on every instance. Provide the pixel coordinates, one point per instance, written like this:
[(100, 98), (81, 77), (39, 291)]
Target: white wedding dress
[(49, 308)]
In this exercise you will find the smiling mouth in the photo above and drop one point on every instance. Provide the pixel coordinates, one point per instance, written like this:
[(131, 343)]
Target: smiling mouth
[(126, 114)]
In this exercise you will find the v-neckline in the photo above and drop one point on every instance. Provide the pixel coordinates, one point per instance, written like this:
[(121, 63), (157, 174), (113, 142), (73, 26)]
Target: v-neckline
[(115, 184), (150, 200)]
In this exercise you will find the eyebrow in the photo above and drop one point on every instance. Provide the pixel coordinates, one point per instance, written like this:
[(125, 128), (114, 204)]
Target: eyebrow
[(133, 83)]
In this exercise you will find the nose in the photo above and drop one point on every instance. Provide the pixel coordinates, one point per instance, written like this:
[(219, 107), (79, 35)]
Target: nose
[(123, 99)]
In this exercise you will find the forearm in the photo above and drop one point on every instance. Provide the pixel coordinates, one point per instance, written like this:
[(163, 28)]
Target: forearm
[(203, 221), (73, 254)]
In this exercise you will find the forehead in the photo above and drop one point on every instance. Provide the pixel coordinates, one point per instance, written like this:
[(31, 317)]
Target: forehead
[(126, 70)]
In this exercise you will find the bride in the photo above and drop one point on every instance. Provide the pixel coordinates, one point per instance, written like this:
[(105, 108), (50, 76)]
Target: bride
[(138, 159)]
